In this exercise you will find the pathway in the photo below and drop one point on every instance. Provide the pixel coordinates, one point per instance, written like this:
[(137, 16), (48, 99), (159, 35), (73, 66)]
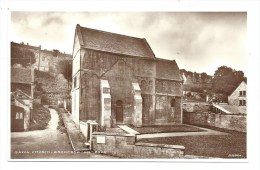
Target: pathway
[(172, 134), (46, 144)]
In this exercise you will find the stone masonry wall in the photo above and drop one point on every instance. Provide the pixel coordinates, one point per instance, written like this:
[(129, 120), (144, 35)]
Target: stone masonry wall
[(126, 147), (54, 86), (231, 122)]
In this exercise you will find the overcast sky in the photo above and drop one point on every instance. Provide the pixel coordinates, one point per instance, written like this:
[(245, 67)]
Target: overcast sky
[(199, 42)]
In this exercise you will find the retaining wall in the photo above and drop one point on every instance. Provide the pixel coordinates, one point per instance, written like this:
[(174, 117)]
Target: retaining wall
[(227, 121), (125, 146)]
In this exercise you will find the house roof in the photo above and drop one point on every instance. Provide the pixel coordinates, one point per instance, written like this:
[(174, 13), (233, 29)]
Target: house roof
[(167, 69), (21, 75), (243, 82), (114, 43), (231, 109), (21, 94)]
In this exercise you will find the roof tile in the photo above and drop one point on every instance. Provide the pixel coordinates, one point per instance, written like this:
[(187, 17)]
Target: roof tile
[(114, 43)]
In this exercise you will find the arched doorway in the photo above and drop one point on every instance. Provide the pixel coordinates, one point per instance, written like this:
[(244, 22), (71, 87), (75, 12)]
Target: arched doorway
[(119, 111)]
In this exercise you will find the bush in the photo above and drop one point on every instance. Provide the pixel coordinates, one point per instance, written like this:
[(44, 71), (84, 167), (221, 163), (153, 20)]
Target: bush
[(40, 117)]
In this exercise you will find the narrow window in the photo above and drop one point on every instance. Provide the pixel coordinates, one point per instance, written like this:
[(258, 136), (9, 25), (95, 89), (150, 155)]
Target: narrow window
[(173, 103)]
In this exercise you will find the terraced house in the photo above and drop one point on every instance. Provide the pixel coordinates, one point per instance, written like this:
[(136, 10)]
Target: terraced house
[(117, 79)]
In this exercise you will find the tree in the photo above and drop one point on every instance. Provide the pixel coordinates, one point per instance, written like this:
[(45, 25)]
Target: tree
[(65, 68), (24, 57), (227, 79), (55, 52)]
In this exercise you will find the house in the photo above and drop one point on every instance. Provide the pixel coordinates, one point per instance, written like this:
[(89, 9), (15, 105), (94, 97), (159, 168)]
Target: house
[(236, 102), (238, 97), (22, 94), (22, 79), (21, 106), (46, 60), (117, 79)]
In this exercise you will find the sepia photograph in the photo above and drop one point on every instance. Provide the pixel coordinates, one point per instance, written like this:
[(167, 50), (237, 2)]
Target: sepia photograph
[(128, 85)]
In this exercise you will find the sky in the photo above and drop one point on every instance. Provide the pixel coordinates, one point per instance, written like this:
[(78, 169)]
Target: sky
[(198, 41)]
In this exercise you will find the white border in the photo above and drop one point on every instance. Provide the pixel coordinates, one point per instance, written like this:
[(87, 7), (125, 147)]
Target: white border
[(252, 7)]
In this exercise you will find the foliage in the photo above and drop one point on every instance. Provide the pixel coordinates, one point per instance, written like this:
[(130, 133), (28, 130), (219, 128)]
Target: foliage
[(55, 52), (65, 67), (41, 117), (24, 57), (227, 79)]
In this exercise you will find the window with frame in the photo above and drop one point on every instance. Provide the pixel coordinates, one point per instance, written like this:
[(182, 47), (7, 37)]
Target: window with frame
[(19, 115), (242, 93), (242, 102)]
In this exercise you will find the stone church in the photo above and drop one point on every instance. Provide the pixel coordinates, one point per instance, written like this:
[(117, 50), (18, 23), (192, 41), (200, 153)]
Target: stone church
[(117, 79)]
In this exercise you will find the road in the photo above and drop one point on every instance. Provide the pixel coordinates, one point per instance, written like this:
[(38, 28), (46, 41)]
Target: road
[(46, 144)]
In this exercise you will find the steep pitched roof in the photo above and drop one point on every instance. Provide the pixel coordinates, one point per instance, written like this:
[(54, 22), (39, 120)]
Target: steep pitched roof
[(167, 69), (114, 43), (243, 82), (21, 75)]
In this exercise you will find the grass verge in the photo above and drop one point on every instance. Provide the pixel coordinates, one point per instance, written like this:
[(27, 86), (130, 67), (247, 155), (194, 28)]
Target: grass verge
[(232, 145)]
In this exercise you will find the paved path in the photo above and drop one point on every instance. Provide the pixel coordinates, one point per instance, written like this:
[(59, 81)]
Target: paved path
[(46, 144), (75, 136), (172, 134), (53, 123)]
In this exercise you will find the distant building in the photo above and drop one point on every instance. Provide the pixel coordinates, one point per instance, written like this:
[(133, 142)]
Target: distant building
[(118, 80), (236, 102), (45, 60)]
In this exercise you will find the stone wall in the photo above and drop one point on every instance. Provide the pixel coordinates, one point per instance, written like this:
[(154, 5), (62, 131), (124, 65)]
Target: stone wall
[(121, 72), (125, 146), (231, 122), (54, 86), (196, 107)]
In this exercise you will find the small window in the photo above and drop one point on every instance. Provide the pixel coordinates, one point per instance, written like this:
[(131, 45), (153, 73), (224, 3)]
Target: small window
[(242, 102), (21, 115), (242, 93), (173, 103), (17, 116), (106, 90)]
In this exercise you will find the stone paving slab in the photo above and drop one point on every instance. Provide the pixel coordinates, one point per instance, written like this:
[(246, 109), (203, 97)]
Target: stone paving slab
[(75, 136), (128, 129), (173, 134)]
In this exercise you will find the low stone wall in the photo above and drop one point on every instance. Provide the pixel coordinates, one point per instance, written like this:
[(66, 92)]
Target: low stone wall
[(196, 106), (125, 146), (231, 122)]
